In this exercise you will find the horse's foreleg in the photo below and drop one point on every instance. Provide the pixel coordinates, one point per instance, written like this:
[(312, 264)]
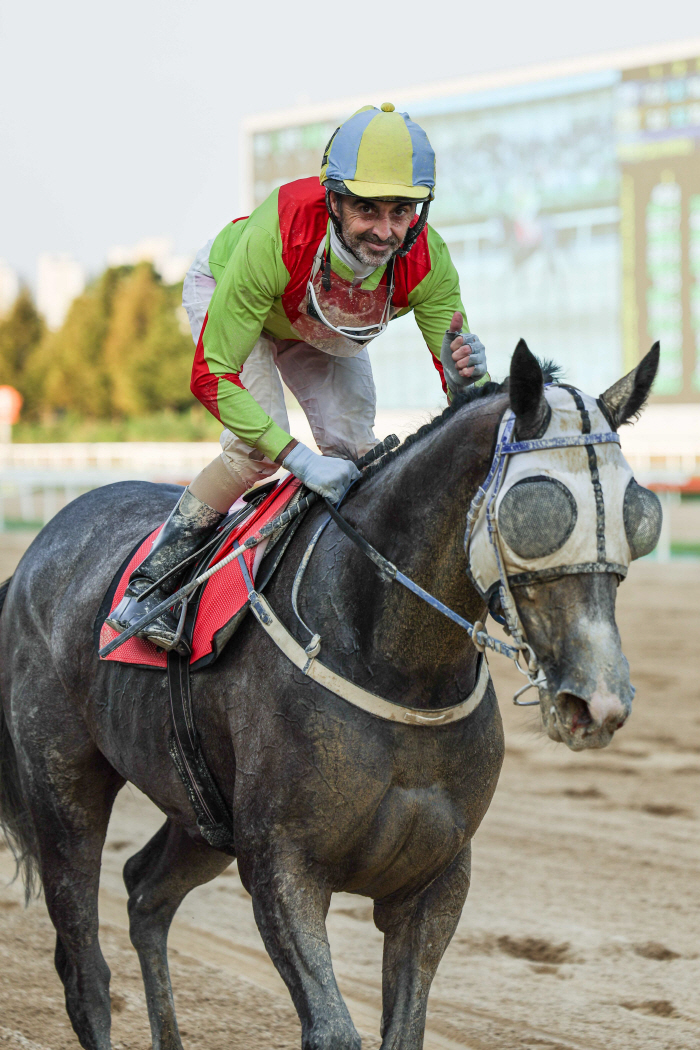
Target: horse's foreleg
[(157, 879), (416, 934), (290, 908)]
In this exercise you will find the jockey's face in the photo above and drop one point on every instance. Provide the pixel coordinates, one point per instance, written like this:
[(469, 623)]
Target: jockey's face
[(373, 230)]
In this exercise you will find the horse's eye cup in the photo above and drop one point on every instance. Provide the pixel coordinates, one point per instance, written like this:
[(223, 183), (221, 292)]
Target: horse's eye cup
[(537, 516), (643, 518)]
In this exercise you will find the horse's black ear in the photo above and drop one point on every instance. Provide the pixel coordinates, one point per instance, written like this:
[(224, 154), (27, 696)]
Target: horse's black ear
[(526, 389), (626, 398)]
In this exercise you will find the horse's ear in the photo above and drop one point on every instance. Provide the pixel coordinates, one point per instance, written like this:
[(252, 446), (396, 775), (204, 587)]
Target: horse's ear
[(626, 398), (526, 389)]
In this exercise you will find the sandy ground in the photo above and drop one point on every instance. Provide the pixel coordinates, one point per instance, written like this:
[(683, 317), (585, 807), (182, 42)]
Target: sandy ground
[(582, 928)]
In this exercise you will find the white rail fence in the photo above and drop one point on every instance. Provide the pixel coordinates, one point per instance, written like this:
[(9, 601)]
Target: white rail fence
[(37, 480)]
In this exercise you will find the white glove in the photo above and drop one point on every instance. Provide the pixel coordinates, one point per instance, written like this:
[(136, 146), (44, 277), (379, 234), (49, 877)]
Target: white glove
[(477, 358), (328, 476)]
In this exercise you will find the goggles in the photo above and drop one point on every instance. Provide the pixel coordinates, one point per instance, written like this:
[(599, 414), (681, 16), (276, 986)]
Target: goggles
[(357, 335)]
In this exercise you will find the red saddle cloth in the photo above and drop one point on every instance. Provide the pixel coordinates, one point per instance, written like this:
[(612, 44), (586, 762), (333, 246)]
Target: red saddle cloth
[(223, 596)]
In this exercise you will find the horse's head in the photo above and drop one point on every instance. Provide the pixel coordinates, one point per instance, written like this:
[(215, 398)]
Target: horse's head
[(560, 521)]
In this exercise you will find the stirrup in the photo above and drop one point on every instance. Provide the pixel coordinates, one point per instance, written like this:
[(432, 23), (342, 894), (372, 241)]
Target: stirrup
[(162, 632)]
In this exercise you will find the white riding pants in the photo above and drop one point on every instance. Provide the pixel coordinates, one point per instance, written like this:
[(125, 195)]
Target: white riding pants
[(337, 394)]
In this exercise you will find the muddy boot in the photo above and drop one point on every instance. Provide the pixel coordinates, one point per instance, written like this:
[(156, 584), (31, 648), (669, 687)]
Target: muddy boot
[(187, 528)]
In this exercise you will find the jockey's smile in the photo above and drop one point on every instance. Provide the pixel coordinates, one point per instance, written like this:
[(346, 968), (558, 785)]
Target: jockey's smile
[(297, 291), (372, 230)]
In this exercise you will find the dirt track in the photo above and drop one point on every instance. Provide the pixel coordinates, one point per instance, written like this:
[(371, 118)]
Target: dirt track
[(582, 929)]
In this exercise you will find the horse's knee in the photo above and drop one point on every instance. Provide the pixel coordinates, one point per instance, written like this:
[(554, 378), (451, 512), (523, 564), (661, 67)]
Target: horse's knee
[(149, 920)]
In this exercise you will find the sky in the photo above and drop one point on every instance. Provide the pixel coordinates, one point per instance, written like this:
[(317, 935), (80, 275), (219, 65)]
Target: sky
[(120, 121)]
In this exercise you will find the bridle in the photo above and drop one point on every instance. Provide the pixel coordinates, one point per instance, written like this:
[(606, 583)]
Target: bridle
[(485, 501)]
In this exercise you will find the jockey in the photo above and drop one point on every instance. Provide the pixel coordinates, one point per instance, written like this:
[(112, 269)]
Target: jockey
[(296, 292)]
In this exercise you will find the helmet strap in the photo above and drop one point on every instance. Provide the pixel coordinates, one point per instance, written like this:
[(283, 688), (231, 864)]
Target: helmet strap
[(337, 223), (326, 278), (414, 232)]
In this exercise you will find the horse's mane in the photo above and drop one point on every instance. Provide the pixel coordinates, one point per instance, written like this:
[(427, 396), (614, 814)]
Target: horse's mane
[(550, 371)]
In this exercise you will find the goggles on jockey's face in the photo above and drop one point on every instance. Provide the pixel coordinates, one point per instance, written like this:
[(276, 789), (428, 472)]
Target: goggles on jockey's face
[(359, 335)]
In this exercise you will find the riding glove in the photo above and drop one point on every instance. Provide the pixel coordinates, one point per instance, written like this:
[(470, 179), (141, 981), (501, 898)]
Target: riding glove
[(328, 476), (477, 358)]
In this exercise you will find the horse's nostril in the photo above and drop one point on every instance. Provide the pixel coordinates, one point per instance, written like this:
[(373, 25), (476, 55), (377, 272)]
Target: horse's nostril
[(574, 711)]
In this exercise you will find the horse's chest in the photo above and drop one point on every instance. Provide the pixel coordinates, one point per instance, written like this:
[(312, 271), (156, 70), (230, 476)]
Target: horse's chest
[(414, 834)]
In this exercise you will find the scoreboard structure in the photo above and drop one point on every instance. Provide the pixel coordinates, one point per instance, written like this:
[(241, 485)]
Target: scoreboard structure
[(569, 196), (659, 155)]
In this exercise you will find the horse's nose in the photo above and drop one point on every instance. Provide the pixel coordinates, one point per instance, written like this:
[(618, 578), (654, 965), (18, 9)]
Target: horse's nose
[(601, 708), (608, 708)]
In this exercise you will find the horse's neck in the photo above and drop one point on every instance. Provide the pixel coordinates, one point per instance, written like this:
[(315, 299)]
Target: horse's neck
[(414, 512)]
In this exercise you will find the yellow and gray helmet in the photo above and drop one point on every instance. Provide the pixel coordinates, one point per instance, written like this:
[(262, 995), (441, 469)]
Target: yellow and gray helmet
[(379, 154)]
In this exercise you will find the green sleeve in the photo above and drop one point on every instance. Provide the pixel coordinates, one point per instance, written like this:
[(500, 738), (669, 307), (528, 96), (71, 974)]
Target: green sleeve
[(437, 296), (253, 277)]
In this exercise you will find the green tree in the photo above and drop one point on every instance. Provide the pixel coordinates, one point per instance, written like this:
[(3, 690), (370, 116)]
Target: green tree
[(67, 370), (147, 356), (122, 351), (21, 331)]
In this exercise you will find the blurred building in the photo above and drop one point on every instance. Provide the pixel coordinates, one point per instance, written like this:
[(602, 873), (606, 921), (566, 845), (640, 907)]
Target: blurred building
[(157, 250), (569, 195), (9, 287), (60, 279)]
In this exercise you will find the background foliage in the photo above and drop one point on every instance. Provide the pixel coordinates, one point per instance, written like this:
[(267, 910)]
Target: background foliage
[(119, 365)]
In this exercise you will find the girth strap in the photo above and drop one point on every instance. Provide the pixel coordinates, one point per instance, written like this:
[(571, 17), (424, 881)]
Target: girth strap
[(213, 816)]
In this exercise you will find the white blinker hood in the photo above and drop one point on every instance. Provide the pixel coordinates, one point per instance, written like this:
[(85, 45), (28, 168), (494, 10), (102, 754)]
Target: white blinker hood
[(594, 477)]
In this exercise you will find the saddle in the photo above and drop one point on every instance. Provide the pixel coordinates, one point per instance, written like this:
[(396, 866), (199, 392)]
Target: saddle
[(218, 607)]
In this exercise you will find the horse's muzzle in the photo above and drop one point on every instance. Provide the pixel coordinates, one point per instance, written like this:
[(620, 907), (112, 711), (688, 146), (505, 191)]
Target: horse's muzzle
[(570, 624), (585, 723)]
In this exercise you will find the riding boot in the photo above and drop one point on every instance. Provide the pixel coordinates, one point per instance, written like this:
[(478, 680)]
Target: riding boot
[(187, 528)]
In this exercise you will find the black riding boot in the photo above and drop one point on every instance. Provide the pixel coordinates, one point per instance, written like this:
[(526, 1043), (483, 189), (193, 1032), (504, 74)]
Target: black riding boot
[(187, 528)]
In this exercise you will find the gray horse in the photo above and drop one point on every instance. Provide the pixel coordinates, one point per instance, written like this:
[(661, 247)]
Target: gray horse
[(325, 797)]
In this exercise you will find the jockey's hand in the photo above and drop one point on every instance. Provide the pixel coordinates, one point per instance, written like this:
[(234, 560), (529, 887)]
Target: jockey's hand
[(326, 475), (463, 356)]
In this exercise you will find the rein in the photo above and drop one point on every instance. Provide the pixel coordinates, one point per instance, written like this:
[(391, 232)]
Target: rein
[(305, 658)]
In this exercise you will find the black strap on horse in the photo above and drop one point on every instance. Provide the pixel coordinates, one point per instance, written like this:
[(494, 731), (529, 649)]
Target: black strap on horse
[(213, 813), (213, 816)]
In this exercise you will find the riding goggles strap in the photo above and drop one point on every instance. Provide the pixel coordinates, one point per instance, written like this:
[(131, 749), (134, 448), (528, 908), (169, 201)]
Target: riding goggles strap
[(360, 335)]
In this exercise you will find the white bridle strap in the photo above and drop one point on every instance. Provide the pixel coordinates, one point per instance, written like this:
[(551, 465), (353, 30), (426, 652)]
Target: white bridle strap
[(354, 694)]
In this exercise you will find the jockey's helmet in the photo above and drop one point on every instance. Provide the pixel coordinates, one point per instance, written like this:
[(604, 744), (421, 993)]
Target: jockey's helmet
[(380, 154)]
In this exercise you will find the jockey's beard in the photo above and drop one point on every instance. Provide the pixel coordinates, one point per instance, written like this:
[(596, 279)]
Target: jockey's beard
[(358, 246)]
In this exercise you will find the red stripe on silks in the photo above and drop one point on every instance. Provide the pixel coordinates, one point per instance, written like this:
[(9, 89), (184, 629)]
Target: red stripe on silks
[(205, 384), (411, 269), (441, 371), (301, 207), (240, 218)]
